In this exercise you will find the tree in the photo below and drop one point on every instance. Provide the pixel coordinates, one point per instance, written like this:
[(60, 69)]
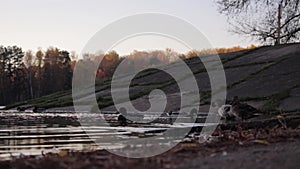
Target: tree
[(110, 62), (269, 21), (29, 75), (3, 76), (56, 71), (67, 72), (39, 62), (29, 61), (12, 76)]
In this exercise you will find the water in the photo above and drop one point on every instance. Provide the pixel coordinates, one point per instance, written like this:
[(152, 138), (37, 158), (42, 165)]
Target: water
[(38, 133)]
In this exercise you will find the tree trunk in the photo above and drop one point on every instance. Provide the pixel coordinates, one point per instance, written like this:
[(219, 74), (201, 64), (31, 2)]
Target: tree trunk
[(30, 83), (279, 25)]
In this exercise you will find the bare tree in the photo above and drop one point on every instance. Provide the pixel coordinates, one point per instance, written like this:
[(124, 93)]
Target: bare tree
[(269, 21)]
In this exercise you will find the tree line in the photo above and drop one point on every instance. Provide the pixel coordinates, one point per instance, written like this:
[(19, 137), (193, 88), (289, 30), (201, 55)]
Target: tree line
[(28, 75)]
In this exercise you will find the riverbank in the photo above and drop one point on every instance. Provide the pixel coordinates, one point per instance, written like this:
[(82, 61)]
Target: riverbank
[(268, 147)]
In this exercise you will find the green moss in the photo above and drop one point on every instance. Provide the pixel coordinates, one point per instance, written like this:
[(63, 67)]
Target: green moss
[(42, 100)]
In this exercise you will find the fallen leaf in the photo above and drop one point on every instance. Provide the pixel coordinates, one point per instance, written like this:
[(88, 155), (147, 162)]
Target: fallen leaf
[(63, 153), (280, 117), (261, 142)]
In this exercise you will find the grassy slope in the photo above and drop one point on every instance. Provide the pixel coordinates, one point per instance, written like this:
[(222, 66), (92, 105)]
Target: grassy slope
[(64, 98)]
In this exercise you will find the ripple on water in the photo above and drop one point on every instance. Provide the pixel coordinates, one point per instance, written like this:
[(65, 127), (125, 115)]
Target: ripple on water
[(36, 133)]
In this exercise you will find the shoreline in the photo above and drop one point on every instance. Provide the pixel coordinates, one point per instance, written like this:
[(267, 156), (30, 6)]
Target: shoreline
[(240, 148)]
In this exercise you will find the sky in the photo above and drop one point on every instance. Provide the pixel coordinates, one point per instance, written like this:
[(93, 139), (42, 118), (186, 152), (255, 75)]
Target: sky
[(69, 24)]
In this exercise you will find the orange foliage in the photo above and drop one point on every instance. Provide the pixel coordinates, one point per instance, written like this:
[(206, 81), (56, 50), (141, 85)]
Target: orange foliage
[(194, 53)]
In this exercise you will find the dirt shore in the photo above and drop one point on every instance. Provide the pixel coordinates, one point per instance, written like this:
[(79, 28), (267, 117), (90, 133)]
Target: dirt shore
[(276, 148), (274, 156)]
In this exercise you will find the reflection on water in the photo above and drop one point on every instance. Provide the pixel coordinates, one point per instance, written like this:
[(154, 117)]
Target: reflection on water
[(37, 133)]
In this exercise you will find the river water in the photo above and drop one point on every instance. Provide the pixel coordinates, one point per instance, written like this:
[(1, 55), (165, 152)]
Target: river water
[(38, 133)]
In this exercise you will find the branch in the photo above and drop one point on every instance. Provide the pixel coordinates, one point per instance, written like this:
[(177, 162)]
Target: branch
[(289, 20)]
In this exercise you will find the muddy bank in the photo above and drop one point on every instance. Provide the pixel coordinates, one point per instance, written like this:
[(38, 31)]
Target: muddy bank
[(276, 147)]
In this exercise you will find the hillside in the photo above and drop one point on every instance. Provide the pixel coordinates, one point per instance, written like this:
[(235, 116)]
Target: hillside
[(266, 77)]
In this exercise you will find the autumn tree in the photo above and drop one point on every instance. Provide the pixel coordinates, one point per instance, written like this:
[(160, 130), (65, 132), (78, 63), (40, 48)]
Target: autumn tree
[(269, 21), (56, 72), (39, 57), (110, 62), (29, 62)]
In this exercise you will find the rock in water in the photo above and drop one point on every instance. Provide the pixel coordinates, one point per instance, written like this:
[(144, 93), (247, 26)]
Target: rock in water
[(122, 120), (38, 109), (122, 117)]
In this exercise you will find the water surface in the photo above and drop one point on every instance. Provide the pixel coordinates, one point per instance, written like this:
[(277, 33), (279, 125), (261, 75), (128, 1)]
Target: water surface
[(38, 133)]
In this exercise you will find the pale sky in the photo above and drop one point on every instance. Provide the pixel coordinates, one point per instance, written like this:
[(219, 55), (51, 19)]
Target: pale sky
[(69, 24)]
